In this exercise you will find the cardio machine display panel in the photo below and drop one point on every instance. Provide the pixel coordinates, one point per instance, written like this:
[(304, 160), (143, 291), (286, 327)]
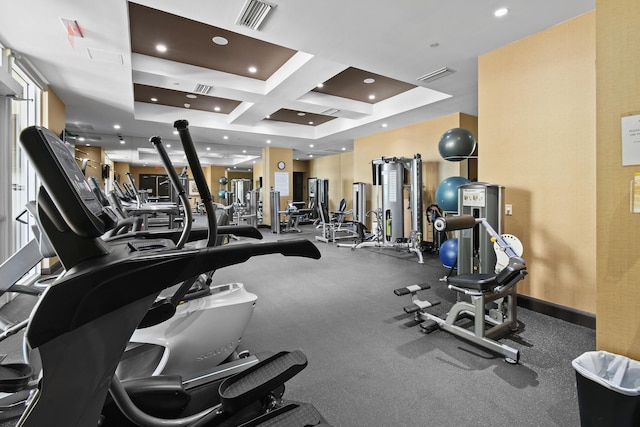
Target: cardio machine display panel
[(70, 191)]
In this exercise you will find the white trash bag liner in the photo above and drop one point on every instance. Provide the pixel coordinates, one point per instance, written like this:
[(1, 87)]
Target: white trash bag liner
[(613, 371)]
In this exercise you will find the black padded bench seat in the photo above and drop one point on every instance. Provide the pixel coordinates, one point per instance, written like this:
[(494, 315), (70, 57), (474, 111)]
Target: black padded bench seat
[(486, 281)]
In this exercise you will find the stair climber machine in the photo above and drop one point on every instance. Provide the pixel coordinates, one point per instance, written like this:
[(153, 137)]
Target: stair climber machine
[(489, 269), (82, 323)]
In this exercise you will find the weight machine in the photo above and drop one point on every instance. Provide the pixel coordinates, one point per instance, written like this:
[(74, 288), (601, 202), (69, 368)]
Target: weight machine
[(489, 283), (391, 173)]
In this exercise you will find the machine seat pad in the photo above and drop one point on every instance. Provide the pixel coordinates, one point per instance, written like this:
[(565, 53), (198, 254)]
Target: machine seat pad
[(486, 281), (475, 281)]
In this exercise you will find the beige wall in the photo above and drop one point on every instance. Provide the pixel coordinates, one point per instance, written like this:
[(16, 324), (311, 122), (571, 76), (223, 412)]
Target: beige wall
[(537, 124), (420, 138), (270, 157), (618, 231), (53, 112)]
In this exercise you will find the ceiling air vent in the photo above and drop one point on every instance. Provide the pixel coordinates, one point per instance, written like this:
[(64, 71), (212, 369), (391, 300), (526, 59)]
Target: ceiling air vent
[(253, 13), (330, 112), (435, 75), (202, 89)]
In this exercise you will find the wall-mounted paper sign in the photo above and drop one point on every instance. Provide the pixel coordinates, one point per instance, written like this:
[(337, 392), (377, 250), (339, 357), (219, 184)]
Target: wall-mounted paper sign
[(281, 181), (631, 140)]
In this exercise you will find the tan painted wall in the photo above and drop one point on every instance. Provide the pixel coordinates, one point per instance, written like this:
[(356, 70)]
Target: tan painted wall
[(53, 112), (537, 127), (271, 156), (420, 138), (618, 231)]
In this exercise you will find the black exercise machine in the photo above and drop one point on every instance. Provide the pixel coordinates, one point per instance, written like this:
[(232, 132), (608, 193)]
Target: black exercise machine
[(83, 322)]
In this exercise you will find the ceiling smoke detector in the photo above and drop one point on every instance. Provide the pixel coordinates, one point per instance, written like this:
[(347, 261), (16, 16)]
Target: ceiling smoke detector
[(253, 13), (435, 75), (202, 89)]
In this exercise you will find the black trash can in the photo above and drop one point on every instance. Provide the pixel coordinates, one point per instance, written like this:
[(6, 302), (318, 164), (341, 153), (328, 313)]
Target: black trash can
[(608, 389)]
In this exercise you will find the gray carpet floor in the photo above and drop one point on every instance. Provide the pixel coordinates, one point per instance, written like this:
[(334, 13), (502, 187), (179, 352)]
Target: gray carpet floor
[(370, 364)]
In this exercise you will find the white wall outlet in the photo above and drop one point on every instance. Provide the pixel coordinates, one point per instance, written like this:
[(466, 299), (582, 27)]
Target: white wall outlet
[(508, 210)]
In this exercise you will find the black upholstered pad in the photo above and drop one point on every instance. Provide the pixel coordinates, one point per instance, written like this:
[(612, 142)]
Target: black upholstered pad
[(479, 281)]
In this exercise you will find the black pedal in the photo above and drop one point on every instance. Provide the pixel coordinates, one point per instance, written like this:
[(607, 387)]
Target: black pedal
[(411, 308), (411, 289), (429, 326), (259, 380), (302, 414)]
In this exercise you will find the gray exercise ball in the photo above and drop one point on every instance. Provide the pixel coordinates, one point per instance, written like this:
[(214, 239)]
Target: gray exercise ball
[(456, 144)]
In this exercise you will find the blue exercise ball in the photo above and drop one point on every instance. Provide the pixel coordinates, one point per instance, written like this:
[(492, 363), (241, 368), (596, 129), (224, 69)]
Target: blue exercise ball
[(457, 144), (447, 193), (223, 180), (222, 194), (449, 253)]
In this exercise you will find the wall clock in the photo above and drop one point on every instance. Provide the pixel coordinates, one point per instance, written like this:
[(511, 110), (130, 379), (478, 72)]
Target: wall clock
[(281, 165)]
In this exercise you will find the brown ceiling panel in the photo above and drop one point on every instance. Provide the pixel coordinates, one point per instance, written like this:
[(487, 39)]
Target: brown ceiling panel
[(190, 42), (174, 98), (299, 117), (350, 84)]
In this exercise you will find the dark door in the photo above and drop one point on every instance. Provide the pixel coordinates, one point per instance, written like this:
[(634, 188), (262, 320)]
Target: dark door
[(298, 186)]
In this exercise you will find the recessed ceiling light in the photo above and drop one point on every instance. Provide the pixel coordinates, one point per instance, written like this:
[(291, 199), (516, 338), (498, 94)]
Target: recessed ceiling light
[(302, 114), (219, 40), (216, 108), (81, 139), (310, 123), (175, 132), (225, 137), (268, 141), (161, 48), (310, 155), (187, 105), (234, 167), (116, 126), (88, 145), (254, 162), (501, 12), (208, 148), (384, 125), (267, 117), (320, 85), (122, 141), (168, 145), (253, 70), (244, 151), (191, 96), (369, 80), (310, 145), (154, 99), (372, 97), (344, 149)]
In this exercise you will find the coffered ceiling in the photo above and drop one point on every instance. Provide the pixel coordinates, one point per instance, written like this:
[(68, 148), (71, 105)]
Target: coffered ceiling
[(312, 77)]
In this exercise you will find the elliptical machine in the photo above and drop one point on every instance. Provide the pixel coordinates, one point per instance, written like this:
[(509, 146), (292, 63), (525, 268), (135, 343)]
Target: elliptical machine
[(82, 323)]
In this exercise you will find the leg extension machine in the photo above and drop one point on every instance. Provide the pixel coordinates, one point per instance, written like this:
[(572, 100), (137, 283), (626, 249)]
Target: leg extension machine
[(492, 296)]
